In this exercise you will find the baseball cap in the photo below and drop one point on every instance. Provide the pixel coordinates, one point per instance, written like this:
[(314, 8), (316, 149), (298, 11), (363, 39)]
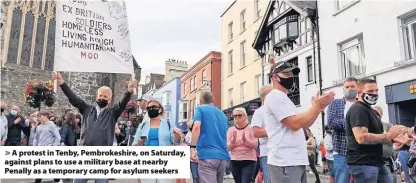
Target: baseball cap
[(146, 98), (284, 66)]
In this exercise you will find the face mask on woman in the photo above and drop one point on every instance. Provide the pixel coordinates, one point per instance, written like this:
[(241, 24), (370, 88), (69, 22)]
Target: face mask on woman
[(153, 112)]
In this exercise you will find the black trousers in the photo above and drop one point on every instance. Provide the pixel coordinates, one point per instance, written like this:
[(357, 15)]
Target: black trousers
[(13, 142), (243, 170), (312, 166), (40, 180)]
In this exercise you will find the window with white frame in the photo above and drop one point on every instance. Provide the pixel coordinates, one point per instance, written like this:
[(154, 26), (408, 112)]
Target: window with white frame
[(166, 96), (243, 20), (230, 97), (204, 77), (352, 57), (243, 53), (194, 80), (409, 35), (257, 82), (309, 69), (305, 31), (340, 4), (230, 62), (192, 83), (230, 31), (183, 110), (243, 91), (256, 9)]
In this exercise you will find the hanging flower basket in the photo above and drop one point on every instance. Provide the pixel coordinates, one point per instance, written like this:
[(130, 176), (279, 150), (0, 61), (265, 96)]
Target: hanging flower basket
[(37, 92), (131, 109)]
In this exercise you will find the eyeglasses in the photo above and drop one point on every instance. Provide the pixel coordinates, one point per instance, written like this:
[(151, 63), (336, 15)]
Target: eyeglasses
[(153, 107), (237, 116)]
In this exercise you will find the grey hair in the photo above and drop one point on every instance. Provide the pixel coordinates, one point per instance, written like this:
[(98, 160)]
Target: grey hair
[(207, 97), (264, 88), (105, 88)]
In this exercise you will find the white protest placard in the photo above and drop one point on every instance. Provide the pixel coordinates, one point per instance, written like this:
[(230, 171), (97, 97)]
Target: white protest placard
[(94, 162), (92, 36)]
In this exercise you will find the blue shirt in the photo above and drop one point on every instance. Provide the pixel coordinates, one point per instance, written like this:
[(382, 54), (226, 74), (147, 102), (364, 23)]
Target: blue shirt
[(212, 142), (165, 135), (153, 137)]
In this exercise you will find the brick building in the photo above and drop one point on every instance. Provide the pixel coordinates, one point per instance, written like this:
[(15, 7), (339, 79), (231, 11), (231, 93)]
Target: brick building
[(27, 54), (203, 76)]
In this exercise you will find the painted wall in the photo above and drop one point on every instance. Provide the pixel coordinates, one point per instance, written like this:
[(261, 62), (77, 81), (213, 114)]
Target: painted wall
[(252, 67), (211, 66), (382, 37), (172, 86)]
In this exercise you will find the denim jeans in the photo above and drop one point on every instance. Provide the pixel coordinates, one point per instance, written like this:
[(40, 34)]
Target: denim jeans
[(342, 174), (403, 158), (194, 171), (86, 180), (265, 169), (370, 174), (243, 170)]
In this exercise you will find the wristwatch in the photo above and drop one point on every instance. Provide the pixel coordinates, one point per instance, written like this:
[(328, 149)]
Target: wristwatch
[(192, 146)]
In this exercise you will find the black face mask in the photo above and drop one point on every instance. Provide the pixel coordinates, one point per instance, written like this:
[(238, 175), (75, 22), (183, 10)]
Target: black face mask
[(102, 103), (287, 82), (2, 110), (153, 113)]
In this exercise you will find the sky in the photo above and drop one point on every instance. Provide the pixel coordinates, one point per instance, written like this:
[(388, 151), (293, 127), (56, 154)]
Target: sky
[(184, 30)]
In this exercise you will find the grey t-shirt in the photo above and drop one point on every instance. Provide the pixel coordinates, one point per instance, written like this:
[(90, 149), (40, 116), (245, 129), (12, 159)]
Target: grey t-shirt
[(387, 148), (47, 134)]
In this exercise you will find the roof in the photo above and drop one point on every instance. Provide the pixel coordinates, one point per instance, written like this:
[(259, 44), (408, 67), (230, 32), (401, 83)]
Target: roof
[(304, 8), (302, 5), (228, 8)]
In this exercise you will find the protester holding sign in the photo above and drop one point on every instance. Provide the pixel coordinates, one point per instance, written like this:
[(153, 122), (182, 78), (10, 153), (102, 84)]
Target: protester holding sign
[(98, 123)]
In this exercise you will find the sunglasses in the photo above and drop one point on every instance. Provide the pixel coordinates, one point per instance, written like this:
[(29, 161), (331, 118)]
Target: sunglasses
[(153, 107), (237, 116)]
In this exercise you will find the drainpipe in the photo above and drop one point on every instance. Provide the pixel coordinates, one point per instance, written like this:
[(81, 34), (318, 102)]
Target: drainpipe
[(316, 27)]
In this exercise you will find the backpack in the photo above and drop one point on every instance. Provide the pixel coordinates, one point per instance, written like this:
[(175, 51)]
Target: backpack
[(145, 123)]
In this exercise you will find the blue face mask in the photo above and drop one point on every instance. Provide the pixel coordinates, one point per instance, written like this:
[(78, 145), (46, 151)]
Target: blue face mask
[(13, 113)]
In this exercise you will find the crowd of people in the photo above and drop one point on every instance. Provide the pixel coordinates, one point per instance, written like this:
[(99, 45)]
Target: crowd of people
[(275, 146)]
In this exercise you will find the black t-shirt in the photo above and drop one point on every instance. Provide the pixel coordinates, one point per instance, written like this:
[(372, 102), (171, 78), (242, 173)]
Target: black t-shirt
[(362, 115)]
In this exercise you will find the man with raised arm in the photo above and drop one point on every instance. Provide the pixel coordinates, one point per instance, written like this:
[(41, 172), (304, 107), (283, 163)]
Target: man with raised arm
[(99, 120), (287, 157)]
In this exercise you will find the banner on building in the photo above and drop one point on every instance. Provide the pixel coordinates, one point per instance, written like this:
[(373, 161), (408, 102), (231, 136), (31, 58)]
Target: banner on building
[(92, 36)]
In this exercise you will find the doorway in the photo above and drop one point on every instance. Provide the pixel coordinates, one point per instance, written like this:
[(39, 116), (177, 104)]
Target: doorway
[(406, 113)]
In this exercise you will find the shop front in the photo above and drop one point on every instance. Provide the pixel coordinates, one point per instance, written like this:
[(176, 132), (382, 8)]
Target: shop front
[(250, 107), (401, 101)]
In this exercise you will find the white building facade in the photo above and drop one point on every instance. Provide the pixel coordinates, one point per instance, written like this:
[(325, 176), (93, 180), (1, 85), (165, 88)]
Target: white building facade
[(372, 39), (287, 34)]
